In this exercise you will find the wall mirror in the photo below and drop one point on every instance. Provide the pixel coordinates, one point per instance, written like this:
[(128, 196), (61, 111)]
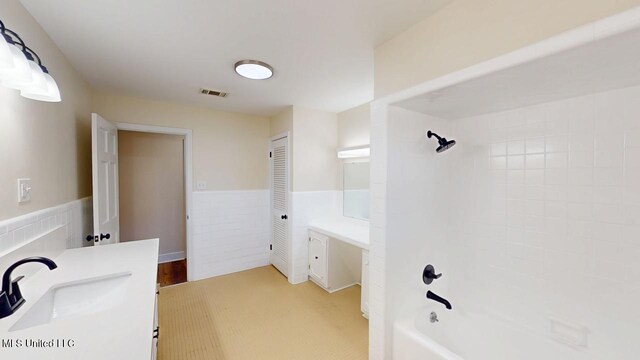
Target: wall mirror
[(356, 190)]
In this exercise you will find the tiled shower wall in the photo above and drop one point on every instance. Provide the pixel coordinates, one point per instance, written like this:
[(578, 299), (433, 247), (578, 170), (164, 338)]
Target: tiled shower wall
[(542, 216), (547, 216)]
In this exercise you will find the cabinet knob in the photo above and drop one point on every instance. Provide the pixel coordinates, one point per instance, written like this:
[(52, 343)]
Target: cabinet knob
[(284, 217), (316, 258)]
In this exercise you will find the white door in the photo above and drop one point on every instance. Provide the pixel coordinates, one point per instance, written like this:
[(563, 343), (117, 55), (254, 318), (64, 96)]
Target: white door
[(104, 152), (279, 203)]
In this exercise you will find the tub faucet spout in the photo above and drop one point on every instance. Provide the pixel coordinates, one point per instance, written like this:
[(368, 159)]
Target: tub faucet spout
[(432, 296)]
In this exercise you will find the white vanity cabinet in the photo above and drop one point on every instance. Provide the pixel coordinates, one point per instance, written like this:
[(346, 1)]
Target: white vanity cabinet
[(333, 264), (339, 255), (318, 258), (156, 327)]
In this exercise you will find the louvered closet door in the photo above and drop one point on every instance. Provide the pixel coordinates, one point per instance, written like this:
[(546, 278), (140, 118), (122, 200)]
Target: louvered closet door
[(280, 203)]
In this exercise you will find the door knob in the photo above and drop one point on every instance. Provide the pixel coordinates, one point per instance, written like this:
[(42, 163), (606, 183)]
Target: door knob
[(284, 217), (103, 236), (89, 238)]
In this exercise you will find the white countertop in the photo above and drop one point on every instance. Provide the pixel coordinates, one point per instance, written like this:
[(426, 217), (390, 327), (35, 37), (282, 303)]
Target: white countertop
[(352, 231), (122, 332)]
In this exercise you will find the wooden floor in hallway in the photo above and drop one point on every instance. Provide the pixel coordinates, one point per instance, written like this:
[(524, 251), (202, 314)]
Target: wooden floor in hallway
[(172, 273), (258, 315)]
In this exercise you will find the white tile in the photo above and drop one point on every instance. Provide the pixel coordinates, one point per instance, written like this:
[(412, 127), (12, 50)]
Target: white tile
[(556, 160), (609, 158), (580, 159), (535, 161), (515, 147), (499, 162), (535, 146)]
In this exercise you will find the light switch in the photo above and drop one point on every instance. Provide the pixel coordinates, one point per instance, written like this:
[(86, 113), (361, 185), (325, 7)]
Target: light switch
[(24, 190), (201, 185)]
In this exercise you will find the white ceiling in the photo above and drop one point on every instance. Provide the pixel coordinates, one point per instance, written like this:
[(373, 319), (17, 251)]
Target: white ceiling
[(322, 51)]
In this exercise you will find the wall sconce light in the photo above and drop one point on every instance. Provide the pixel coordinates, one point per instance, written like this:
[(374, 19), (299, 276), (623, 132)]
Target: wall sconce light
[(354, 152), (21, 69)]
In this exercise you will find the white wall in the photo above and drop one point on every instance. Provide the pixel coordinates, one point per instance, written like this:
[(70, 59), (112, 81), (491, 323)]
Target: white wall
[(417, 204), (47, 232), (231, 231), (541, 214)]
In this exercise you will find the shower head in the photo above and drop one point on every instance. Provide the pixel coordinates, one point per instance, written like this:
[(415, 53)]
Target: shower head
[(444, 144)]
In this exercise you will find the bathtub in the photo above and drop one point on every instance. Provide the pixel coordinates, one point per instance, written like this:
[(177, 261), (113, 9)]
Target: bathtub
[(459, 336)]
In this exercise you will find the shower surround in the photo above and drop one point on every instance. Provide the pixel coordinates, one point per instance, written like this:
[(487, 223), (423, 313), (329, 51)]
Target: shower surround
[(533, 219)]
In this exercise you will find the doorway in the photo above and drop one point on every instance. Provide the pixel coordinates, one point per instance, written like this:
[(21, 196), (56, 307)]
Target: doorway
[(152, 196)]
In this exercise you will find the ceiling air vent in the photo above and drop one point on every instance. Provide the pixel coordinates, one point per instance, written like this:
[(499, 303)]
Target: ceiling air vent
[(213, 93)]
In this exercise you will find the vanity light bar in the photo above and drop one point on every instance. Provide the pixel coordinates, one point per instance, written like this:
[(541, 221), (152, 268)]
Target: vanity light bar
[(354, 152), (22, 69)]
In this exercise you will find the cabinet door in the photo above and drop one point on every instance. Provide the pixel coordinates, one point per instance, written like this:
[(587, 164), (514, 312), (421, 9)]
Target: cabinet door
[(318, 259), (364, 301)]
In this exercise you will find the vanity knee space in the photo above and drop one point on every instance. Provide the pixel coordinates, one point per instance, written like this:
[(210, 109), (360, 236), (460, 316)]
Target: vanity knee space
[(336, 263)]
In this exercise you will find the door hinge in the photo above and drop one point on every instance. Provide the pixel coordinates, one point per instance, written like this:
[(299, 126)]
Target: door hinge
[(309, 267), (270, 154), (270, 246)]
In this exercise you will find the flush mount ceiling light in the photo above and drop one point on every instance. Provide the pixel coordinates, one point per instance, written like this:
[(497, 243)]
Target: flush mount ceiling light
[(21, 69), (254, 69)]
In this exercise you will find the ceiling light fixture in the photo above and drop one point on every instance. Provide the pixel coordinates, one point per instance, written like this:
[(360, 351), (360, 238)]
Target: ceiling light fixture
[(254, 69), (21, 69)]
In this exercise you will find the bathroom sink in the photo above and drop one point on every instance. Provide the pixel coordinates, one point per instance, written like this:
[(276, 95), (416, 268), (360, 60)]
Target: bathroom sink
[(76, 298)]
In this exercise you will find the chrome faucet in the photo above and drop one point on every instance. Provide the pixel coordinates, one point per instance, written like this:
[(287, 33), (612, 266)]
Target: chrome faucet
[(10, 297)]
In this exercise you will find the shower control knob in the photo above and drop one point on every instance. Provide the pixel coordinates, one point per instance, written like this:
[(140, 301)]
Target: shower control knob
[(429, 274)]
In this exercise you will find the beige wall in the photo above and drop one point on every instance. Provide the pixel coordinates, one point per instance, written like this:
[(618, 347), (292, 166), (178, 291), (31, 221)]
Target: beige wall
[(152, 197), (313, 140), (354, 127), (229, 149), (467, 32), (281, 122), (314, 150), (49, 143)]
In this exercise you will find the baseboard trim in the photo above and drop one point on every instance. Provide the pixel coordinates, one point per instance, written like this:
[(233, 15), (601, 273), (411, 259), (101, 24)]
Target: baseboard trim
[(174, 256)]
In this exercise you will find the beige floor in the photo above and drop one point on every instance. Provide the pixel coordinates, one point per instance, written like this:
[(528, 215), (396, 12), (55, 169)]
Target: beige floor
[(257, 314)]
